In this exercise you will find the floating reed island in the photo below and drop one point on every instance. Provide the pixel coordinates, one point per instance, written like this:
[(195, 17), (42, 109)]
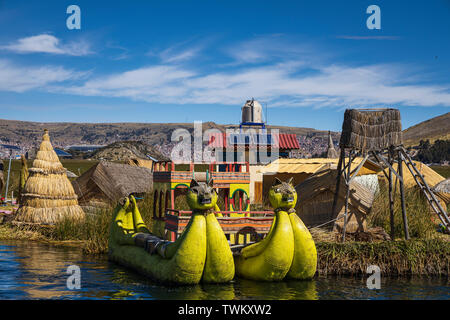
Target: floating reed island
[(48, 196)]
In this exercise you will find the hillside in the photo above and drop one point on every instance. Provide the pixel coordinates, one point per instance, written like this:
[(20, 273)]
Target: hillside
[(432, 129), (28, 134), (125, 150)]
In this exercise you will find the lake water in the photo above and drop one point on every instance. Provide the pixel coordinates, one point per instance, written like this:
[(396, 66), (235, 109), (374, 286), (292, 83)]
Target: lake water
[(31, 270)]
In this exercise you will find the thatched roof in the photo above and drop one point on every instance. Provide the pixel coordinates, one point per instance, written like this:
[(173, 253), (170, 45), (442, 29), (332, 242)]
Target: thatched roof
[(431, 177), (141, 163), (70, 174), (365, 129), (48, 195), (313, 165), (442, 189), (443, 186), (113, 181)]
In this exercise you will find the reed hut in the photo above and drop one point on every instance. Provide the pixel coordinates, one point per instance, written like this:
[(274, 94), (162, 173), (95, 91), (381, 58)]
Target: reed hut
[(106, 182), (301, 169), (371, 129), (48, 195), (141, 163), (315, 201)]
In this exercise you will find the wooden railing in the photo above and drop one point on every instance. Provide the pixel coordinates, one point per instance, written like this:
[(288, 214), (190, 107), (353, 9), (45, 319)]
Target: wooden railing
[(224, 213)]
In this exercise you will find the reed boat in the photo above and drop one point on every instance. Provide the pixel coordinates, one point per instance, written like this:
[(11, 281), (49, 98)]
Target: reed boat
[(201, 253)]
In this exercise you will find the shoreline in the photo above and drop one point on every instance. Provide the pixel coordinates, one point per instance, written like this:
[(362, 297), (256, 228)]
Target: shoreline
[(398, 258)]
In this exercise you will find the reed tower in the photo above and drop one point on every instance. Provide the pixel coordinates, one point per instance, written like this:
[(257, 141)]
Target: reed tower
[(48, 195)]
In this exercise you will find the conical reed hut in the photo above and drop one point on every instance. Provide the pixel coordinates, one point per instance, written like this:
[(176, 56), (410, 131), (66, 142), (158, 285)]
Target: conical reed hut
[(48, 195)]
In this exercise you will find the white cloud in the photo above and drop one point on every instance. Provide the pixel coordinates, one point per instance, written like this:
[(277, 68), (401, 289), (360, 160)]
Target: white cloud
[(169, 56), (20, 79), (289, 76), (46, 43), (275, 47), (282, 84)]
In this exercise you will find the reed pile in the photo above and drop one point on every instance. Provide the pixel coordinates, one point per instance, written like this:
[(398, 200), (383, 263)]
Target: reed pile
[(48, 195), (421, 222), (400, 258)]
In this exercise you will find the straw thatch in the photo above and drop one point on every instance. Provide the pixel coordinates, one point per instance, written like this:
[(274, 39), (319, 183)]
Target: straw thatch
[(48, 195), (442, 190), (315, 200), (141, 163), (371, 129), (301, 169), (107, 182), (70, 174), (431, 177), (23, 177)]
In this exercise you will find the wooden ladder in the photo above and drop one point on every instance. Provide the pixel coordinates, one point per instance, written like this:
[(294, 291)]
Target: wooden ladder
[(420, 180)]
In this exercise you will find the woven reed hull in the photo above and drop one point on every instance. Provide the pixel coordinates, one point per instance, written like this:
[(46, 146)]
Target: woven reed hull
[(371, 130), (49, 215)]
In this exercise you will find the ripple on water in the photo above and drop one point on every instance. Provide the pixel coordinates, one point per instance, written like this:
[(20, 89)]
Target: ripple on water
[(31, 270)]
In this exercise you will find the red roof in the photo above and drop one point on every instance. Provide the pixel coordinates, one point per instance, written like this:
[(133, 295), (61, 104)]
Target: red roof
[(284, 141)]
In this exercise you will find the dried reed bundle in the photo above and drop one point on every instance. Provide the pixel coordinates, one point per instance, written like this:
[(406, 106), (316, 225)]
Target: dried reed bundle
[(50, 215), (442, 190), (48, 195), (24, 173), (371, 129)]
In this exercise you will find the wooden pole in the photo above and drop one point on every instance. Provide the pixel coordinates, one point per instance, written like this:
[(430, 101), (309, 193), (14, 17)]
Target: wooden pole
[(7, 180), (338, 182), (347, 195), (402, 197), (425, 188), (391, 198)]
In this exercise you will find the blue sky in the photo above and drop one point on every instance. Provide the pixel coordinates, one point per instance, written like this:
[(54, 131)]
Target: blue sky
[(181, 61)]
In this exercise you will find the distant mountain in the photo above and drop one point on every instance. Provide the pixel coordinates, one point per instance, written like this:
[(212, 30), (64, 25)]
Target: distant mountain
[(63, 134), (432, 129), (29, 134)]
